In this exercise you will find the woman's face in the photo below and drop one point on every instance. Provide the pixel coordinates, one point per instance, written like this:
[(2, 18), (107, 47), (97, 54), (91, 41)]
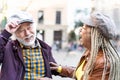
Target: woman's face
[(85, 34)]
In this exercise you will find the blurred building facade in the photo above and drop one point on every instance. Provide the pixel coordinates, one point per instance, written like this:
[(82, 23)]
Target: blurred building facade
[(50, 17)]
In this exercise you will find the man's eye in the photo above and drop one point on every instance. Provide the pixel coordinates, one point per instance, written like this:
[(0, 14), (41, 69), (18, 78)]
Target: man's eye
[(29, 28)]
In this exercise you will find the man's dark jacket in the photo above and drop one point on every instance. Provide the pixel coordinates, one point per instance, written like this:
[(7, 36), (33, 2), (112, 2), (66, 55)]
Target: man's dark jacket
[(13, 67)]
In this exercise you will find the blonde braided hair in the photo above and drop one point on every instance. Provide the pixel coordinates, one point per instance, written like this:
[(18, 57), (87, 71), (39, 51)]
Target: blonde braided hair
[(111, 56)]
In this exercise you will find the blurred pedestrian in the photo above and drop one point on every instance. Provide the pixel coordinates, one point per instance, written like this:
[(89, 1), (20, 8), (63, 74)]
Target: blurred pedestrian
[(100, 60), (26, 57)]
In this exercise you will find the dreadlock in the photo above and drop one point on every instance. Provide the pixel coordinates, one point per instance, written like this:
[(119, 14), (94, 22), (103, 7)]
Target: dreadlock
[(111, 56)]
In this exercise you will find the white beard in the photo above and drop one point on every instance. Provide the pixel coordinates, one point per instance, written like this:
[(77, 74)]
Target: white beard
[(30, 43)]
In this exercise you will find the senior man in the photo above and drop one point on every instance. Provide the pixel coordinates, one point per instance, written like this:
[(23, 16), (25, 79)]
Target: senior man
[(26, 57)]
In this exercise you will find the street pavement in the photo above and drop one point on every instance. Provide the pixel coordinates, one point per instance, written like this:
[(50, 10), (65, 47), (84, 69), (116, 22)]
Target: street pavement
[(65, 58)]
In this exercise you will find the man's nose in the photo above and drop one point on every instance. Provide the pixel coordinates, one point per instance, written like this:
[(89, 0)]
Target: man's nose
[(27, 32)]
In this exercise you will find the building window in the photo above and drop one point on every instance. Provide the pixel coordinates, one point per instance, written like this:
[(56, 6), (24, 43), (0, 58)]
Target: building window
[(58, 17), (40, 17)]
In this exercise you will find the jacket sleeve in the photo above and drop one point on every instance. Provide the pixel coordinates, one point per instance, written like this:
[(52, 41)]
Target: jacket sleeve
[(4, 37)]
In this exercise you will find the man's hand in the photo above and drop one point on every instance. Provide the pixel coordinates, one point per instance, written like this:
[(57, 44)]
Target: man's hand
[(11, 27)]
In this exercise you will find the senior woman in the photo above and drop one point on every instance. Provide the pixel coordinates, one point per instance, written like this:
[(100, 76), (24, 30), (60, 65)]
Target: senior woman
[(100, 60)]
